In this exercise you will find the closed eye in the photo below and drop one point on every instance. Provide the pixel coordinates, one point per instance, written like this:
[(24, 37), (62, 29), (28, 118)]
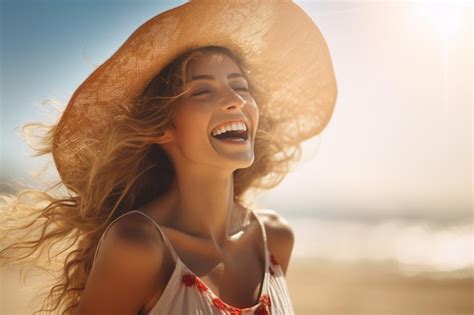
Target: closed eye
[(207, 91), (201, 92)]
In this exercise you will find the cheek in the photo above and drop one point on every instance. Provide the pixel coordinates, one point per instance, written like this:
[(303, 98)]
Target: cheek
[(191, 125)]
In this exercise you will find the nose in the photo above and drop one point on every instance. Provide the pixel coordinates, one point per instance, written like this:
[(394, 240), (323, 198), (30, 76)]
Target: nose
[(232, 100)]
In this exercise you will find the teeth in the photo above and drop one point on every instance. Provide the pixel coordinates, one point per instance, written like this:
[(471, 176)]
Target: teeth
[(229, 127)]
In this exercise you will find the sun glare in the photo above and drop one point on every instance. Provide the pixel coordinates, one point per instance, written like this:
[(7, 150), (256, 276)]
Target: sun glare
[(443, 18)]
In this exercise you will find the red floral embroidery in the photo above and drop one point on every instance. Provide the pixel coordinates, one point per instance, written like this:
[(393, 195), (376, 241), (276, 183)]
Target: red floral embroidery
[(226, 307), (271, 271), (264, 307), (219, 304), (274, 261), (235, 310), (261, 310), (201, 285), (265, 299), (188, 279)]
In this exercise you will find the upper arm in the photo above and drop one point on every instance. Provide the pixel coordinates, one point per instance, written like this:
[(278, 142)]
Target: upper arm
[(125, 270), (280, 238)]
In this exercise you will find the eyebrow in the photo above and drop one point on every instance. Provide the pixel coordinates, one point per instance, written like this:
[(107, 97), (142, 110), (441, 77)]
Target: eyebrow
[(210, 77)]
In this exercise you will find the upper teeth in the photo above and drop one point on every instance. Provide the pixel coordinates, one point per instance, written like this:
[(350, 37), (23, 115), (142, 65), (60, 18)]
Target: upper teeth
[(229, 127)]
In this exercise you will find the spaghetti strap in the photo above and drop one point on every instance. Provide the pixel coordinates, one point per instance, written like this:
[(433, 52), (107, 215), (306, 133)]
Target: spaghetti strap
[(262, 226), (163, 235), (166, 240), (185, 291)]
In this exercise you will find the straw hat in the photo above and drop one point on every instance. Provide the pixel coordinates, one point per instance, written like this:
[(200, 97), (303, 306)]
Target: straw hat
[(287, 57)]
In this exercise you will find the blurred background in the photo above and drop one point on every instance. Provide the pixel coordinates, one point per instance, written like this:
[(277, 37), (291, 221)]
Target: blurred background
[(381, 203)]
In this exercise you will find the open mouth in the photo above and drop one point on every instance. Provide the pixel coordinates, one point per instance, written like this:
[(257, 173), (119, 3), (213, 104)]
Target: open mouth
[(235, 132), (233, 135)]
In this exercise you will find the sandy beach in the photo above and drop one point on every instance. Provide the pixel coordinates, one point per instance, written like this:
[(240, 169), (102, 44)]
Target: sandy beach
[(319, 287), (324, 287)]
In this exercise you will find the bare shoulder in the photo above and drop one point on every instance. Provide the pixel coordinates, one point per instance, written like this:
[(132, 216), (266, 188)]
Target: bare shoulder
[(135, 231), (122, 279), (274, 221), (132, 236), (280, 236)]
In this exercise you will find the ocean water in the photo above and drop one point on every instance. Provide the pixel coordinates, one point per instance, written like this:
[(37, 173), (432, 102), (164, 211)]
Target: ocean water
[(418, 245)]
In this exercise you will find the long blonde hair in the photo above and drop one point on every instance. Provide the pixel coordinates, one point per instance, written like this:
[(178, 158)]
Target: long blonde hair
[(65, 228)]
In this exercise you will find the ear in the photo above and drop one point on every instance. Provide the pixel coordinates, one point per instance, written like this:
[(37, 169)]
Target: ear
[(168, 136)]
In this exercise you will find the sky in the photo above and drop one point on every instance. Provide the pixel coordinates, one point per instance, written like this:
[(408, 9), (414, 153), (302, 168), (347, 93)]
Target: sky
[(400, 139), (399, 143)]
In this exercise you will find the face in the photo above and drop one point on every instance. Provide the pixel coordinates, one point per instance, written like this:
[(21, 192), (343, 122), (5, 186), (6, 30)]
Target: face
[(218, 93)]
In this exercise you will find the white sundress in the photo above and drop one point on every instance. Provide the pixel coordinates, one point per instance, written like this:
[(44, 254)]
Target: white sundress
[(186, 293)]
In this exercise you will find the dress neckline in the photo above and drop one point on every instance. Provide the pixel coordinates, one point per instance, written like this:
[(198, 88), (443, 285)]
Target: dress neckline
[(263, 285)]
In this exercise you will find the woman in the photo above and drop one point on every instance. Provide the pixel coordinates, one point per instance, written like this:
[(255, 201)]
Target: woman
[(158, 148)]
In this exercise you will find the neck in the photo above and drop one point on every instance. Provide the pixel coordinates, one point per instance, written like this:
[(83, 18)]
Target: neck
[(201, 203)]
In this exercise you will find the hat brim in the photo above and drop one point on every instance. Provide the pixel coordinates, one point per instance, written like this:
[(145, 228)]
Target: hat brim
[(286, 55)]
